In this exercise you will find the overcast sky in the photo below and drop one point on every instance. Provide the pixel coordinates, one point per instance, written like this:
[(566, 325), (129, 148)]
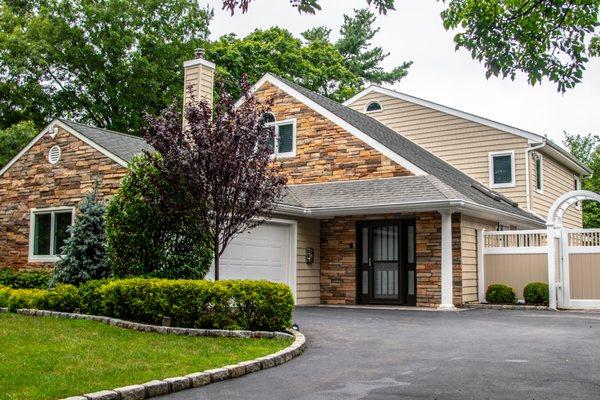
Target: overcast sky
[(415, 32)]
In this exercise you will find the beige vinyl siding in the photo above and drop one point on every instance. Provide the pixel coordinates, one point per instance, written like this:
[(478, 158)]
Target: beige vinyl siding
[(464, 144), (557, 180), (468, 249), (308, 275), (201, 80)]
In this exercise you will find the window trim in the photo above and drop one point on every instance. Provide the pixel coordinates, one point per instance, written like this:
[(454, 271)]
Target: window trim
[(541, 182), (52, 211), (276, 124), (372, 111), (491, 156)]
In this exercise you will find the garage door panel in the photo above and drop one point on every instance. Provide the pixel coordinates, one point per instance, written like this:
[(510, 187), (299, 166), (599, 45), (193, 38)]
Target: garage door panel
[(262, 253)]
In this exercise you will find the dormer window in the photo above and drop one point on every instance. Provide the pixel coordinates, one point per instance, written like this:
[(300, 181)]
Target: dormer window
[(282, 139), (373, 106)]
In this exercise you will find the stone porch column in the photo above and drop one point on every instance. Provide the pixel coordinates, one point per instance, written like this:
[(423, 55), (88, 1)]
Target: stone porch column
[(447, 303)]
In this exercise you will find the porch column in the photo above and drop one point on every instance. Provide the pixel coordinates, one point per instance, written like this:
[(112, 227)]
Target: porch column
[(447, 303)]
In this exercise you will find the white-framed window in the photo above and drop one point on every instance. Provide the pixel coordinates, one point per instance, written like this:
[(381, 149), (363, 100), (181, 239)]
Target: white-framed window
[(282, 137), (539, 173), (577, 186), (502, 169), (48, 232), (373, 106)]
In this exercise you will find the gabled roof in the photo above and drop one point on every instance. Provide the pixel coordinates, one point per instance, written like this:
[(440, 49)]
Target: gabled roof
[(119, 144), (119, 147), (469, 189), (557, 151)]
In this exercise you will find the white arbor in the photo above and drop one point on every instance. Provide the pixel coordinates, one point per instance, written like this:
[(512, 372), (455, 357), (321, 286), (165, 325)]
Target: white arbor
[(554, 225)]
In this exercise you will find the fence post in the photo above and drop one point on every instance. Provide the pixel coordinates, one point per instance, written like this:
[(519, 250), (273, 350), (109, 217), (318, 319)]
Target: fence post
[(551, 267), (564, 270), (480, 266)]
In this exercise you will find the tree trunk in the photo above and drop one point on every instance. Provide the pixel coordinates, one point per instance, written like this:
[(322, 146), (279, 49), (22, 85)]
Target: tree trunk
[(217, 256)]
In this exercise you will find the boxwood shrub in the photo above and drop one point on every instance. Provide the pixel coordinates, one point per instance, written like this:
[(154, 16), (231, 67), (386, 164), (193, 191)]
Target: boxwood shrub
[(536, 293), (244, 304), (24, 279), (500, 294)]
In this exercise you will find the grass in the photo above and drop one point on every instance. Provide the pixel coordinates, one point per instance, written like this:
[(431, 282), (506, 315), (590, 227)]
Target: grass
[(49, 358)]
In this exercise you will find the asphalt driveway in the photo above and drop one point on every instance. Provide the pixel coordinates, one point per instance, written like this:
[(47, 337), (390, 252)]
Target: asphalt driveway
[(389, 354)]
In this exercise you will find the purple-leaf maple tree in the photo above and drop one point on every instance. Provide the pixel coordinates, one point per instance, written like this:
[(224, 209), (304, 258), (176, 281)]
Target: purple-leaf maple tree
[(220, 163)]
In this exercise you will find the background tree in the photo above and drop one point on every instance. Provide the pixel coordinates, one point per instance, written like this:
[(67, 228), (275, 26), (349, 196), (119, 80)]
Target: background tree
[(545, 39), (218, 166), (14, 138), (354, 44), (100, 62), (147, 236), (337, 70), (84, 253), (586, 149)]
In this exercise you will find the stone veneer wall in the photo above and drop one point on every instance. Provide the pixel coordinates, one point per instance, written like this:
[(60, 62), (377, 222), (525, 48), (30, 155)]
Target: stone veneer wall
[(324, 151), (338, 259), (32, 182)]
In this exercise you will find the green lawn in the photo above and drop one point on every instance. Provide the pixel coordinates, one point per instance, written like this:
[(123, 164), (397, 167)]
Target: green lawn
[(48, 358)]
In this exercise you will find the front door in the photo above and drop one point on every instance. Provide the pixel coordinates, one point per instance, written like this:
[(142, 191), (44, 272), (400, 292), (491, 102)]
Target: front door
[(386, 262)]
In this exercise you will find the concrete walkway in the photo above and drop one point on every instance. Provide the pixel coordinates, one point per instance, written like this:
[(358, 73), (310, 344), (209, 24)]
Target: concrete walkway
[(393, 354)]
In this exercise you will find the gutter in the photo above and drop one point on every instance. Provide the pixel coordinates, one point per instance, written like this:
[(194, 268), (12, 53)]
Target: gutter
[(454, 205), (527, 179)]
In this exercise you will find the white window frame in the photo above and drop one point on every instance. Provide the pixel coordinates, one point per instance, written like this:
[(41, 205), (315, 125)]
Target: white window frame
[(277, 124), (578, 187), (491, 156), (541, 189), (52, 211), (373, 111)]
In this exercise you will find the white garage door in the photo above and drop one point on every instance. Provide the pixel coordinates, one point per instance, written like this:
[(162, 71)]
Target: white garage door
[(263, 253)]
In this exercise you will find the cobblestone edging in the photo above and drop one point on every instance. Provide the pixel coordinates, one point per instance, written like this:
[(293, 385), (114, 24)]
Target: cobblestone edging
[(505, 306), (194, 380)]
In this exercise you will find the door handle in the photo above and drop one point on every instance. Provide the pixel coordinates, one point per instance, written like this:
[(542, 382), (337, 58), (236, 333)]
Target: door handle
[(370, 262)]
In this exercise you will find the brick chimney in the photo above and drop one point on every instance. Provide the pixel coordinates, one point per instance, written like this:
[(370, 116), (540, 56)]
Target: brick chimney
[(199, 74)]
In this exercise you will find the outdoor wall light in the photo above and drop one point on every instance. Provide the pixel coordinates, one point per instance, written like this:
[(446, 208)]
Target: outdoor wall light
[(309, 257)]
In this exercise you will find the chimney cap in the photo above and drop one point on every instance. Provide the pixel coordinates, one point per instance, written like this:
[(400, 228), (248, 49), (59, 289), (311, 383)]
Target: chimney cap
[(199, 52)]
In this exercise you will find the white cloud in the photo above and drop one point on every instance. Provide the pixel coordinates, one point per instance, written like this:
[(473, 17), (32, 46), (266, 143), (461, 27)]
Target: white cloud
[(415, 32)]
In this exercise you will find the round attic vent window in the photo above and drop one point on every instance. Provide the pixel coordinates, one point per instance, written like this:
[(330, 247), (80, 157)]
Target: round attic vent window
[(54, 155)]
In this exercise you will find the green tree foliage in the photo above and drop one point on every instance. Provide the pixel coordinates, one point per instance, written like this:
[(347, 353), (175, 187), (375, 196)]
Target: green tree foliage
[(317, 65), (84, 251), (145, 236), (14, 138), (102, 62), (337, 70), (586, 149), (354, 45), (545, 39)]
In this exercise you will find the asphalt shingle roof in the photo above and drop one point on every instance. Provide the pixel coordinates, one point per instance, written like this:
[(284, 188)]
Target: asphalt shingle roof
[(371, 192), (467, 187), (120, 144)]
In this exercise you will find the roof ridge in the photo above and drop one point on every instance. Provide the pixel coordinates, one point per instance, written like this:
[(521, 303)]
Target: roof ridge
[(388, 178), (444, 189), (66, 121)]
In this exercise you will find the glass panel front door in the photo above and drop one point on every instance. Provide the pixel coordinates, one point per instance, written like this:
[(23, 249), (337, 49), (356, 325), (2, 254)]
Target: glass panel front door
[(386, 262)]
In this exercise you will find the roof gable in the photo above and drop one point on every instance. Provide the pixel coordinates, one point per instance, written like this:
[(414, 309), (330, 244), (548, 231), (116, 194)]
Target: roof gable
[(119, 147)]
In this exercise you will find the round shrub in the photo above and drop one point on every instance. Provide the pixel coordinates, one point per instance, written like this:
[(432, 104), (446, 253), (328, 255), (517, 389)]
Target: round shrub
[(148, 238), (500, 294), (536, 293)]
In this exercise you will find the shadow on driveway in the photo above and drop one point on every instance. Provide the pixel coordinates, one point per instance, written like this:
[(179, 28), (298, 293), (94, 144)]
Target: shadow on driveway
[(388, 354)]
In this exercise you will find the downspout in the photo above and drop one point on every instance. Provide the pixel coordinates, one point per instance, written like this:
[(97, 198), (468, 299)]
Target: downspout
[(527, 185)]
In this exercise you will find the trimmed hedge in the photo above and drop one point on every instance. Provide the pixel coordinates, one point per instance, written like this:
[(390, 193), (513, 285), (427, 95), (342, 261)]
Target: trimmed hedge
[(248, 305), (500, 294), (24, 279), (536, 293)]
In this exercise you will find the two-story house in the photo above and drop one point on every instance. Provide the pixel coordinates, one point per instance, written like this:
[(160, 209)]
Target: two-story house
[(369, 216)]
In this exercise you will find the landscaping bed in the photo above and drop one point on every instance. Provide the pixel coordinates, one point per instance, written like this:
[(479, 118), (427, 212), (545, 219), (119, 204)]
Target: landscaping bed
[(48, 358)]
